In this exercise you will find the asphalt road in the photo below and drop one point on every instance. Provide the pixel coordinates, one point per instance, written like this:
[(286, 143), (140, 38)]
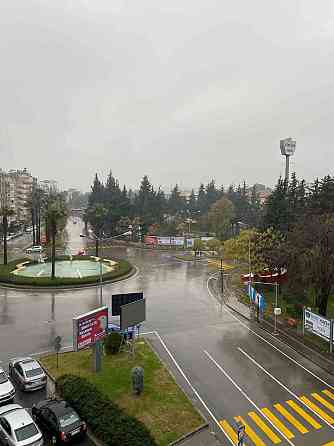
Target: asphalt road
[(228, 367)]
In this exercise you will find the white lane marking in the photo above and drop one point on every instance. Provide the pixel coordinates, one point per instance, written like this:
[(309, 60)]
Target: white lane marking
[(79, 274), (283, 386), (271, 345), (40, 272), (246, 396), (192, 387)]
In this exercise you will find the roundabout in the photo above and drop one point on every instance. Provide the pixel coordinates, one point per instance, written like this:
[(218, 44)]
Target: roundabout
[(73, 271)]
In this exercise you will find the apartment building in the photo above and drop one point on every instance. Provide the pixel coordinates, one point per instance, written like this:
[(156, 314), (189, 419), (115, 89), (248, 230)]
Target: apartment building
[(15, 191)]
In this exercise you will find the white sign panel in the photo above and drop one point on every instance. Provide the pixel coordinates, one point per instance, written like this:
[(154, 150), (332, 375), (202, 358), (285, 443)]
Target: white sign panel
[(177, 241), (163, 240), (190, 242), (317, 325)]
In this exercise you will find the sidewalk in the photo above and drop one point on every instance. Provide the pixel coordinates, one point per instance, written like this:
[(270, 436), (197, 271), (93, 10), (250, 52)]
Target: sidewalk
[(200, 438)]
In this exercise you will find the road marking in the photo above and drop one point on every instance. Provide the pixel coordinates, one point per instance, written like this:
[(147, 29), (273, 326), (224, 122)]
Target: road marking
[(320, 413), (271, 345), (40, 272), (192, 387), (323, 401), (247, 397), (262, 425), (79, 274), (277, 423), (331, 443), (250, 433), (292, 420), (323, 415), (229, 431), (328, 393), (304, 414)]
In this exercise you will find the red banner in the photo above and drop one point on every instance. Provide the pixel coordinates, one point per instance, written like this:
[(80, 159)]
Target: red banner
[(150, 240), (89, 328)]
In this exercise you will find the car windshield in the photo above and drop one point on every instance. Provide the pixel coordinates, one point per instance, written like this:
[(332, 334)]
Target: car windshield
[(68, 418), (25, 432), (33, 372), (3, 377)]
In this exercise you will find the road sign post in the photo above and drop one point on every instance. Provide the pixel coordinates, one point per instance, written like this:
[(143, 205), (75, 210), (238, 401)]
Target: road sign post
[(57, 346)]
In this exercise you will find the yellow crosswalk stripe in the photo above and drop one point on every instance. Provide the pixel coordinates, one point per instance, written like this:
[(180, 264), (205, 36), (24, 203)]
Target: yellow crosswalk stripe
[(317, 409), (329, 394), (262, 425), (250, 433), (292, 420), (280, 426), (331, 443), (304, 414), (229, 431), (323, 401)]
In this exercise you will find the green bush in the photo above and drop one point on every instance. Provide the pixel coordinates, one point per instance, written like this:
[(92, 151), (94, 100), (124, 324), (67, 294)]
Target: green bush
[(107, 421), (112, 343), (122, 269)]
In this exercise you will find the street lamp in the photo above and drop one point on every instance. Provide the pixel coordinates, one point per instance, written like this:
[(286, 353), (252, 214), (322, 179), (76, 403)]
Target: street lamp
[(101, 239)]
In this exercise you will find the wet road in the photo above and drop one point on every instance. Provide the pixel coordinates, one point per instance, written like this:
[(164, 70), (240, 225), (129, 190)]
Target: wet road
[(230, 369)]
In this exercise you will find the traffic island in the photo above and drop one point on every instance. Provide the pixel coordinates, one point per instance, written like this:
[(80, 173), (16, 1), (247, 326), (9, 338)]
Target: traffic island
[(163, 408), (76, 271)]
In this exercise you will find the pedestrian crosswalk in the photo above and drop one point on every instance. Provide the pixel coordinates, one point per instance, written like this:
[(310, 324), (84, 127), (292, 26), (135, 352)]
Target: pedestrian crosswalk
[(289, 420)]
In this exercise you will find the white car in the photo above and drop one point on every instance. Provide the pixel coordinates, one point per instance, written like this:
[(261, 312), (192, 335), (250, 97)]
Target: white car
[(17, 428), (36, 248), (7, 390), (27, 373)]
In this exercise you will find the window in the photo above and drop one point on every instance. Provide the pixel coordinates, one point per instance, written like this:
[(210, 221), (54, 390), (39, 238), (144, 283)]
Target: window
[(3, 377), (68, 418), (25, 432), (34, 372), (4, 423)]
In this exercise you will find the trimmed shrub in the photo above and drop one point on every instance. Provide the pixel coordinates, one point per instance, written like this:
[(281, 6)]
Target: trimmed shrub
[(112, 343), (107, 421), (122, 269)]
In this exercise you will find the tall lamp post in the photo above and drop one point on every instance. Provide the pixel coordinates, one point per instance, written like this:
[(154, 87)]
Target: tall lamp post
[(95, 238)]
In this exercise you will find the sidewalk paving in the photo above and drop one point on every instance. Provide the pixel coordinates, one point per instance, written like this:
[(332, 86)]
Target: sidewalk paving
[(201, 438)]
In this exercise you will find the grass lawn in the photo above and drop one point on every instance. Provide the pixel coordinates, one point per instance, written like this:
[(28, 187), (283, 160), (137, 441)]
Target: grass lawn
[(163, 407)]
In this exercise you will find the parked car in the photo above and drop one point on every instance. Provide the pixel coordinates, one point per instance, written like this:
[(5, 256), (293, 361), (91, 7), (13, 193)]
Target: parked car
[(59, 419), (32, 249), (17, 428), (27, 373), (7, 390)]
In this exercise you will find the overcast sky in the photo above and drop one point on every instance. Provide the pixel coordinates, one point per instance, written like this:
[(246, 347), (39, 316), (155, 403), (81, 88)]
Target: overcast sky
[(180, 90)]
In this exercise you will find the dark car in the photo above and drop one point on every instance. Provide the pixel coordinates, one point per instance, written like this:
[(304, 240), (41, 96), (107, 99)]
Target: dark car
[(59, 420)]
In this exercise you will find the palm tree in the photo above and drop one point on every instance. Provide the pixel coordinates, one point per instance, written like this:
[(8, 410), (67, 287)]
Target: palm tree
[(56, 215), (6, 212), (96, 215)]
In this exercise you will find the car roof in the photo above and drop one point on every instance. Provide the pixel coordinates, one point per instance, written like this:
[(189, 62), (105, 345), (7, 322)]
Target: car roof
[(58, 407), (16, 415), (27, 363)]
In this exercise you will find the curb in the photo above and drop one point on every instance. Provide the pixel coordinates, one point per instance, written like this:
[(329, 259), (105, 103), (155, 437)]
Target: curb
[(189, 435), (132, 272)]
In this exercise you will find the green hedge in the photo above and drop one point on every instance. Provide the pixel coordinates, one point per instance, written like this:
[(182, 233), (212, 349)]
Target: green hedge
[(107, 421), (121, 269)]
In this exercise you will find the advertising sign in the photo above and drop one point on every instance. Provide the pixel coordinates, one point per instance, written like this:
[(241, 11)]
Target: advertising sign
[(133, 314), (89, 328), (177, 241), (118, 300), (317, 324), (163, 240), (288, 146), (190, 243), (150, 240)]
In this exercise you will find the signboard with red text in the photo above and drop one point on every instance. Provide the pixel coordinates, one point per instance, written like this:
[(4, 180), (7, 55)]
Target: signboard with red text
[(89, 328)]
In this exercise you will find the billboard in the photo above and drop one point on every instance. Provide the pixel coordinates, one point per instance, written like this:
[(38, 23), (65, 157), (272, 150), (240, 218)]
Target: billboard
[(89, 328), (177, 241), (118, 300), (133, 314), (317, 324)]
